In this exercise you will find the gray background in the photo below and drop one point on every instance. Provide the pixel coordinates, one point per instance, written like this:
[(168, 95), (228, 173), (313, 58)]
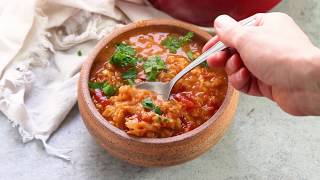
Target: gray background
[(262, 143)]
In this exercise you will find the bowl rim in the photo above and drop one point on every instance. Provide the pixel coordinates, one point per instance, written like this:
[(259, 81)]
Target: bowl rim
[(85, 75)]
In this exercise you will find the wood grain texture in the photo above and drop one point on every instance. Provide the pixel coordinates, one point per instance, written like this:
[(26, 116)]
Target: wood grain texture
[(152, 151)]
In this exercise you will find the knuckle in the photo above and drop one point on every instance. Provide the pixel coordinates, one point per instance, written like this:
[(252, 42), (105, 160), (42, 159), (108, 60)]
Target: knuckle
[(259, 14), (282, 15), (239, 37), (259, 18)]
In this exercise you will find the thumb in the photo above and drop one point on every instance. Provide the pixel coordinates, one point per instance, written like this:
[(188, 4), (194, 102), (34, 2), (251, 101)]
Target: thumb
[(228, 30)]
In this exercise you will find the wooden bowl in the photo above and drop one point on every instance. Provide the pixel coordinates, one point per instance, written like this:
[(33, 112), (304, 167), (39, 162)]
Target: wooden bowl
[(151, 151)]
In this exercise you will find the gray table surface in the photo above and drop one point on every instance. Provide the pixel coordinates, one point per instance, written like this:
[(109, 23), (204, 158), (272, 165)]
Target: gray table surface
[(262, 143)]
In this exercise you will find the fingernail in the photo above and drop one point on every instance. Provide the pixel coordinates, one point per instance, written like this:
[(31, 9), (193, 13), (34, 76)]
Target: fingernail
[(223, 22)]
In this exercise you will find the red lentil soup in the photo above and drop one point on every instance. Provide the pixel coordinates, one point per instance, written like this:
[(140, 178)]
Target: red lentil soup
[(155, 55)]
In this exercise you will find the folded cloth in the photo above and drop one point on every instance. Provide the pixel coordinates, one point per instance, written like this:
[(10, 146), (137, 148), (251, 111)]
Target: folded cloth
[(43, 44)]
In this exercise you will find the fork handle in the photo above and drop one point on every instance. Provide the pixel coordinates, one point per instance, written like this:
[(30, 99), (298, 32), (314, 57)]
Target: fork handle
[(219, 46)]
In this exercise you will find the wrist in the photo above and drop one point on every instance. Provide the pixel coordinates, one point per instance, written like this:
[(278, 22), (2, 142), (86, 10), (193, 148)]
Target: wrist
[(306, 81), (315, 69), (313, 91), (307, 72)]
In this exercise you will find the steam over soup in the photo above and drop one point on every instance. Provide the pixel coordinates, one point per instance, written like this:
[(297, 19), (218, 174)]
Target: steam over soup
[(156, 56)]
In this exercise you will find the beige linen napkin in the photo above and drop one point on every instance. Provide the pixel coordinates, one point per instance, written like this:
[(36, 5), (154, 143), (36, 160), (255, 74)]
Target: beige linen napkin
[(40, 58)]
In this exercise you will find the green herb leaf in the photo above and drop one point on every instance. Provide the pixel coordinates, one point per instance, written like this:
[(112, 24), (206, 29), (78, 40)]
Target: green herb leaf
[(173, 43), (95, 85), (79, 53), (205, 64), (130, 82), (124, 56), (152, 67), (126, 49), (166, 120), (148, 104), (187, 38), (157, 110), (163, 119), (130, 75), (190, 55), (109, 90)]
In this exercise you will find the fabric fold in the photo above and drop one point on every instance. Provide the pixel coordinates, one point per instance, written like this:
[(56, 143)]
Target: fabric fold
[(43, 44), (14, 34)]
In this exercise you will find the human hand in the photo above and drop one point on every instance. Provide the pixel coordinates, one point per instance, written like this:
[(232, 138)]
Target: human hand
[(274, 59)]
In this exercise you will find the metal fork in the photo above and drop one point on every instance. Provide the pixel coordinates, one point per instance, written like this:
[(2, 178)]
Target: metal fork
[(164, 88)]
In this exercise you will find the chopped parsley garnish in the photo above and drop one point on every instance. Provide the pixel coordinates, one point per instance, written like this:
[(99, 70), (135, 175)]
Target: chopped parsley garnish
[(190, 55), (148, 104), (124, 56), (186, 38), (130, 75), (173, 43), (79, 53), (130, 82), (163, 119), (205, 64), (152, 67), (157, 110), (95, 85), (107, 89)]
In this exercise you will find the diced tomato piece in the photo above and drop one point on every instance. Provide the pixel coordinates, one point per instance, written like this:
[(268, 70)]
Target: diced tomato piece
[(100, 97), (186, 99), (187, 125), (208, 76)]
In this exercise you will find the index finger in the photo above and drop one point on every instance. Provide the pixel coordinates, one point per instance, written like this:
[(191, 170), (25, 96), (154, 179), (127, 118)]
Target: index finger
[(258, 17), (210, 43)]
